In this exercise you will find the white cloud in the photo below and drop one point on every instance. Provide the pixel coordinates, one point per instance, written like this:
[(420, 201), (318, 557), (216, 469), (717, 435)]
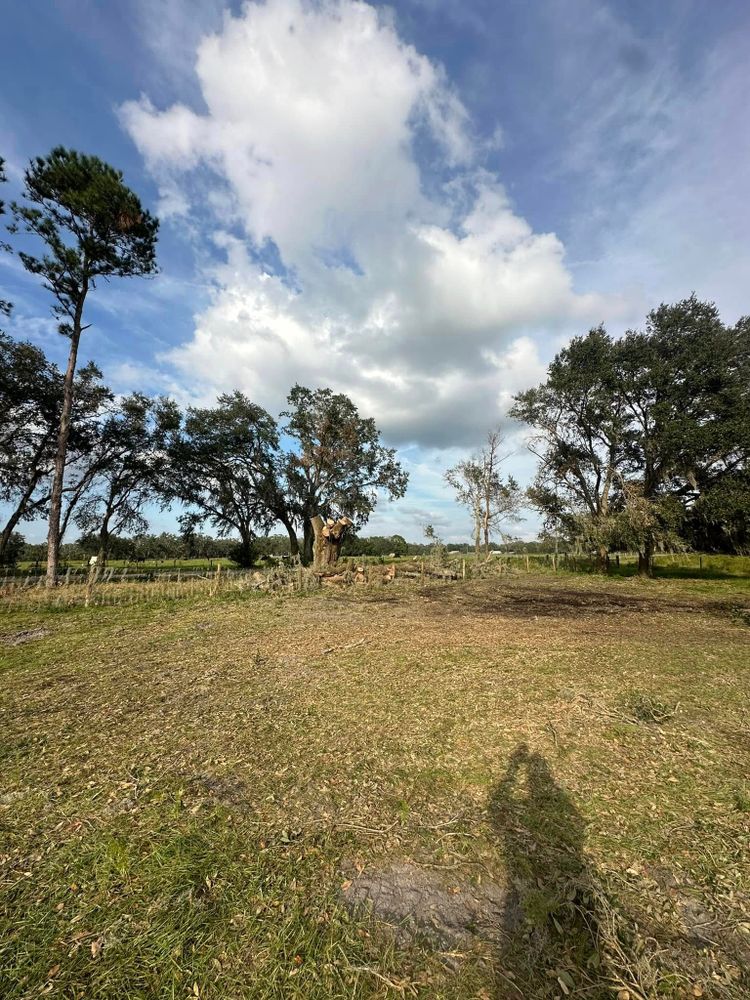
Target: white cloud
[(318, 128)]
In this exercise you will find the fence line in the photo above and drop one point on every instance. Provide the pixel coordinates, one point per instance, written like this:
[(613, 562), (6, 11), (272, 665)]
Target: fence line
[(120, 586)]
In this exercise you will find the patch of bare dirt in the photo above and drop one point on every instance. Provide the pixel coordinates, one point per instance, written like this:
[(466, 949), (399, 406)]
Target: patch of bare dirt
[(25, 635), (559, 602), (419, 902), (227, 790)]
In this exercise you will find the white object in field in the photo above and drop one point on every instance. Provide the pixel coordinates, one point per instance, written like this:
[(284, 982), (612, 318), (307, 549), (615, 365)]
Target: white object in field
[(93, 560)]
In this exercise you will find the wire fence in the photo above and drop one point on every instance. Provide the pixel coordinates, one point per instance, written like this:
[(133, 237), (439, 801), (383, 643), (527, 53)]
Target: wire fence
[(115, 586), (124, 587)]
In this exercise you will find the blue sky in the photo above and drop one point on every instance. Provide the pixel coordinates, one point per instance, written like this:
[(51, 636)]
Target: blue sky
[(415, 203)]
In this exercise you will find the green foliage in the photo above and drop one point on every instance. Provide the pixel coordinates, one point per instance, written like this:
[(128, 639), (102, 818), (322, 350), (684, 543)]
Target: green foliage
[(13, 549), (375, 545), (644, 442), (580, 438), (339, 466), (31, 392), (127, 468), (436, 547), (223, 468), (90, 224)]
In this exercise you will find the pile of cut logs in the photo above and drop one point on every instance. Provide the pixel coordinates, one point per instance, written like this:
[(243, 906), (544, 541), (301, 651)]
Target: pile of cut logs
[(378, 573)]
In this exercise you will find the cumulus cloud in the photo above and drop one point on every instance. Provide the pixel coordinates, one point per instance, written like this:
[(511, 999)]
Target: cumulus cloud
[(321, 133)]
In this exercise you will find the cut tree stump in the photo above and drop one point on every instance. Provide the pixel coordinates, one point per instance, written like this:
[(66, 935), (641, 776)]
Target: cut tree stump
[(329, 537)]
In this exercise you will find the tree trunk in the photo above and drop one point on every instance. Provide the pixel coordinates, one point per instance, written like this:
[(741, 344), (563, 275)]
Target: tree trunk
[(14, 519), (477, 537), (75, 497), (603, 559), (308, 541), (103, 547), (246, 550), (5, 537), (55, 508), (328, 538), (293, 540), (646, 557)]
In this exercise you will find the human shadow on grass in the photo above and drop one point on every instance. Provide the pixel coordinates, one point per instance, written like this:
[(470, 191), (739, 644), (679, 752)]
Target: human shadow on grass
[(556, 916)]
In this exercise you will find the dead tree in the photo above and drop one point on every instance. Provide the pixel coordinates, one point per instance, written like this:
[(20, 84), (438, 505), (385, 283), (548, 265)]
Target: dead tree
[(329, 537)]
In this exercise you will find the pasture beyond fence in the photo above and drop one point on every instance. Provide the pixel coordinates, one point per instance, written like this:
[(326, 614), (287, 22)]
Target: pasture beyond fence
[(127, 585)]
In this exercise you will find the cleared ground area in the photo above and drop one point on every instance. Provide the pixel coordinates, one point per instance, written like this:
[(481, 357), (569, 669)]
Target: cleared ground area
[(537, 786)]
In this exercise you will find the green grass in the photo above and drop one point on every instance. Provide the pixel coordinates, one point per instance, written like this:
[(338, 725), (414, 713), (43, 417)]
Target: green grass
[(186, 786)]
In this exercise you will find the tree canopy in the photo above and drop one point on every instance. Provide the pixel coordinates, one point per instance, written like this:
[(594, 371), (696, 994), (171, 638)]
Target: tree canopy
[(645, 440), (30, 403), (223, 469), (339, 466), (127, 468)]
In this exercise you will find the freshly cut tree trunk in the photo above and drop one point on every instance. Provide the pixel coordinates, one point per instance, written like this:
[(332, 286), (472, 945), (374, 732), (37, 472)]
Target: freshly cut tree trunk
[(329, 536)]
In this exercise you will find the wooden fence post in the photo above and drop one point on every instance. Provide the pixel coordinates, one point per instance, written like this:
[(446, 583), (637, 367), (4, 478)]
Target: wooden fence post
[(91, 581)]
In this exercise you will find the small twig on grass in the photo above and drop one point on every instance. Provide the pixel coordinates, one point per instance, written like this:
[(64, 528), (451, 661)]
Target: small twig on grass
[(509, 981), (367, 829), (349, 645), (400, 987), (447, 822)]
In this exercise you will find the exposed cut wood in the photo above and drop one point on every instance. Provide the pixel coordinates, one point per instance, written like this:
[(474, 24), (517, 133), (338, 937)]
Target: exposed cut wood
[(329, 536)]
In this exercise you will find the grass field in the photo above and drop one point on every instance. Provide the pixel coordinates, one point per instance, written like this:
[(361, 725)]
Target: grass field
[(530, 786)]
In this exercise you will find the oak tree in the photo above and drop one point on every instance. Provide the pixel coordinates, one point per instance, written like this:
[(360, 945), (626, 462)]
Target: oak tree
[(30, 404), (339, 465), (127, 469), (223, 469), (581, 437)]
